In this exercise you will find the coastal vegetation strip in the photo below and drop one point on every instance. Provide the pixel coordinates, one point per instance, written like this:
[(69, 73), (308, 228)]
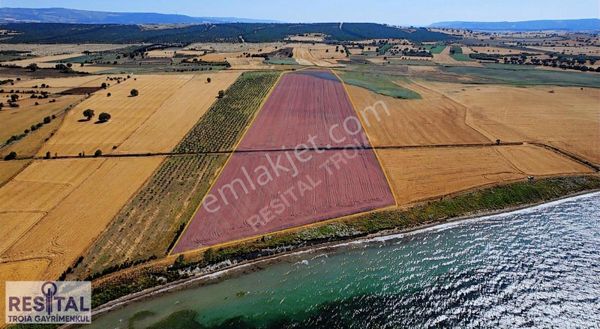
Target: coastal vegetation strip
[(493, 199)]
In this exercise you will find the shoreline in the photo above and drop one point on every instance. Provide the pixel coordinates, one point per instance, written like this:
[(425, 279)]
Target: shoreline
[(241, 268)]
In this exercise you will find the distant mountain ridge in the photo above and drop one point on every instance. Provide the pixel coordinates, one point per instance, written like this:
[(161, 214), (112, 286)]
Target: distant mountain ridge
[(591, 24), (74, 16)]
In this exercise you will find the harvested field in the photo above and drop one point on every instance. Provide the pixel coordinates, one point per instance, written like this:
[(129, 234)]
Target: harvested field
[(63, 206), (568, 118), (425, 173), (317, 192), (30, 145), (14, 121), (62, 83), (177, 116), (304, 104), (317, 55), (433, 119), (128, 115), (158, 213), (309, 186), (8, 169)]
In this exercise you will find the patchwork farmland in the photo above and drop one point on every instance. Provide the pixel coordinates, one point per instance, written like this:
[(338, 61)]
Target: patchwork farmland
[(260, 192), (217, 151)]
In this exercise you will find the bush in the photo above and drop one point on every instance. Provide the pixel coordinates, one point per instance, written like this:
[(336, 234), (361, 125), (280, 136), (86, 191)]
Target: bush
[(47, 120), (11, 156), (134, 92), (98, 153), (103, 117), (221, 94), (89, 114)]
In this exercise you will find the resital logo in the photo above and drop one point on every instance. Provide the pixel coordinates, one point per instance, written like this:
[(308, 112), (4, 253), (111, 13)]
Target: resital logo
[(48, 302)]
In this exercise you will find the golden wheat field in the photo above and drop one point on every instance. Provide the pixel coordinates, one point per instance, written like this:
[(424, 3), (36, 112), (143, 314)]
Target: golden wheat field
[(317, 54), (173, 119), (58, 207), (14, 121), (127, 115), (433, 119), (425, 173), (565, 117)]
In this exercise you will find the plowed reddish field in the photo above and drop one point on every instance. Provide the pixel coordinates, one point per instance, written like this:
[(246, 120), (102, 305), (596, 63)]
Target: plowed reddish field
[(268, 189)]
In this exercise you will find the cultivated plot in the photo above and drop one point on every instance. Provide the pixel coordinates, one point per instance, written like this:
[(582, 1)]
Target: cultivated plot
[(424, 173), (433, 119), (565, 117), (267, 189)]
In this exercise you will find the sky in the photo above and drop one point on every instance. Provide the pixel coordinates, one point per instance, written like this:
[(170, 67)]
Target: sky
[(397, 12)]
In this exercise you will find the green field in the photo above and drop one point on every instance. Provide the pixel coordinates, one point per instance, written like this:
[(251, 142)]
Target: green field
[(380, 83), (457, 54), (435, 49), (522, 75)]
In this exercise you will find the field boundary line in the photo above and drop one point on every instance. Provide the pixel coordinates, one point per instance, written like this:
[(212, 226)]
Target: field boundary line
[(369, 139), (231, 154)]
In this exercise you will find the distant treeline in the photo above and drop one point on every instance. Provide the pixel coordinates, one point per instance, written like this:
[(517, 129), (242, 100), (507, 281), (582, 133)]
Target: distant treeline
[(233, 32)]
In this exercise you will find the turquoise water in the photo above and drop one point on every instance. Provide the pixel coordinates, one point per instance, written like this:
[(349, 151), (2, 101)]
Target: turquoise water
[(538, 267)]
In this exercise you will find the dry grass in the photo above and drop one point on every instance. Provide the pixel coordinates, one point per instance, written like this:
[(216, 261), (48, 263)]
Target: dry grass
[(128, 115), (421, 174), (566, 117), (433, 119), (168, 125)]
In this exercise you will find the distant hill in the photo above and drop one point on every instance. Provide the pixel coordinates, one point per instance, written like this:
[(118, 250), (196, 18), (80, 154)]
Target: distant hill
[(225, 32), (591, 24), (73, 16)]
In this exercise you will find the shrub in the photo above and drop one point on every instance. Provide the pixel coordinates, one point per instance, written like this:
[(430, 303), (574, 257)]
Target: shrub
[(134, 92), (221, 94), (89, 114), (98, 153), (104, 117), (11, 156)]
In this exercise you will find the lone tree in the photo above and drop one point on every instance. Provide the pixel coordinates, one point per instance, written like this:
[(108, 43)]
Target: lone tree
[(32, 67), (11, 156), (98, 153), (221, 94), (103, 117), (89, 114), (103, 85), (134, 92), (208, 80)]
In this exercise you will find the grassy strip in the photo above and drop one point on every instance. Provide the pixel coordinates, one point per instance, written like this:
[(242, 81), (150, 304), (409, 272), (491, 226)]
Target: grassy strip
[(485, 200), (380, 83), (145, 228), (457, 54)]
